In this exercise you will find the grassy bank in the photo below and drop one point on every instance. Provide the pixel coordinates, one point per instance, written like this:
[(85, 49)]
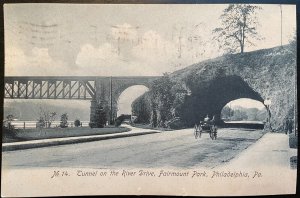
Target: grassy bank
[(37, 134)]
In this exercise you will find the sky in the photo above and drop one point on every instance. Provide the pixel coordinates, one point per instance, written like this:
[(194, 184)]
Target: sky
[(128, 96), (245, 103), (122, 40)]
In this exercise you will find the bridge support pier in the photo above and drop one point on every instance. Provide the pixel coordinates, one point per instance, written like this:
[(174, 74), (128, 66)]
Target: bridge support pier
[(93, 111), (103, 91)]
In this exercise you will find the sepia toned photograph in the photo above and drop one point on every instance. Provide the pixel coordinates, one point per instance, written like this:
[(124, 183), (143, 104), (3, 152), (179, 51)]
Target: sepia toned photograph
[(149, 99)]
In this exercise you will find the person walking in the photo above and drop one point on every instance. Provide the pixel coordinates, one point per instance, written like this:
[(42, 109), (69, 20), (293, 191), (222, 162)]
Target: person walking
[(286, 125), (290, 126)]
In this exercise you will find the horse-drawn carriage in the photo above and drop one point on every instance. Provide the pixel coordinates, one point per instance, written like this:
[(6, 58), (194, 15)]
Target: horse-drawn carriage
[(206, 127)]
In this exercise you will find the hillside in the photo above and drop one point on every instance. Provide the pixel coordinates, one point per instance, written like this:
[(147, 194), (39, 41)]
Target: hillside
[(269, 72), (259, 75)]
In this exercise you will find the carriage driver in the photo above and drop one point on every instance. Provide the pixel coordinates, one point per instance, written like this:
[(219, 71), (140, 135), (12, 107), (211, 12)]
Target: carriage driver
[(210, 121), (206, 119)]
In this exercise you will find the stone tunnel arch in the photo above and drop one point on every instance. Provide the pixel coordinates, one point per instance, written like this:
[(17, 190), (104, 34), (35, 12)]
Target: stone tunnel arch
[(248, 110), (117, 92), (127, 97), (210, 99)]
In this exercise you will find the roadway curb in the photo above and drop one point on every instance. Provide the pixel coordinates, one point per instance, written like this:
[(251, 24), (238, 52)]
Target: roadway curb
[(63, 141)]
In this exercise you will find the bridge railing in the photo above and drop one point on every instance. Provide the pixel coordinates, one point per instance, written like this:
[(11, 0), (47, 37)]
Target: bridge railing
[(33, 124)]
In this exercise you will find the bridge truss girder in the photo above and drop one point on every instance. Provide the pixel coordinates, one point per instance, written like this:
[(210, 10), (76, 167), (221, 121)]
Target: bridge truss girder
[(20, 88)]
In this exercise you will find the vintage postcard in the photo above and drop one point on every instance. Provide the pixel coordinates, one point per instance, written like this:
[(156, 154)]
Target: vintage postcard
[(149, 99)]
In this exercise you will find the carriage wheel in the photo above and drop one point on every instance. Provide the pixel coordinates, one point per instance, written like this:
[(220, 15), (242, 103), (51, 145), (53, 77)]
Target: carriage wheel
[(211, 135), (211, 132), (200, 131), (196, 131), (215, 133)]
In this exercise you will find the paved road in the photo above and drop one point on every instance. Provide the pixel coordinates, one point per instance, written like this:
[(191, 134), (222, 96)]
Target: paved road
[(178, 149)]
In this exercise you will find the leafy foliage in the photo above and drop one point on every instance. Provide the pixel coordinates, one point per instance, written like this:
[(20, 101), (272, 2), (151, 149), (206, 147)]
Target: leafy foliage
[(7, 123), (176, 123), (8, 130), (77, 123), (162, 100), (122, 118), (239, 24), (64, 120), (10, 117), (141, 109), (226, 113), (46, 118), (208, 86), (100, 118), (293, 44), (41, 123), (240, 113), (161, 104)]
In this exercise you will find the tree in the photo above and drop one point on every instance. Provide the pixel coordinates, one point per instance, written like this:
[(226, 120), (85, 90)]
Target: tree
[(100, 117), (101, 121), (46, 118), (293, 43), (239, 114), (41, 123), (77, 123), (180, 91), (52, 117), (9, 119), (239, 25), (226, 112), (162, 100), (252, 113), (64, 120), (141, 109)]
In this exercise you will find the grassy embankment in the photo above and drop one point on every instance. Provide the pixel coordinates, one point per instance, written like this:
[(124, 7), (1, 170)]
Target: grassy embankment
[(48, 133)]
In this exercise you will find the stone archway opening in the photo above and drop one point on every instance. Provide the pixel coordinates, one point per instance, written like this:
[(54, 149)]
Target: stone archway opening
[(210, 98), (244, 110), (127, 97)]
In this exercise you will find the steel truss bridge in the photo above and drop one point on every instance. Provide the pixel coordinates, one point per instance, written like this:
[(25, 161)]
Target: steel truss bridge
[(79, 88)]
